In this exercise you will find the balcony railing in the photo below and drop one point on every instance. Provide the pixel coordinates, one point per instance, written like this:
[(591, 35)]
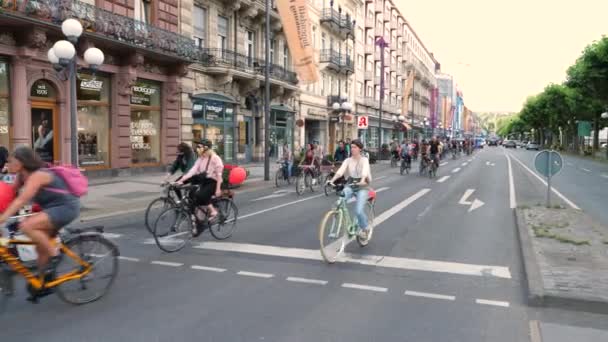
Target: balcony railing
[(331, 99), (338, 23), (337, 62), (224, 58)]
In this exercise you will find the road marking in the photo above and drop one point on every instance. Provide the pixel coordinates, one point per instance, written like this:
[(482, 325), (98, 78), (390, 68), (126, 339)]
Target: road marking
[(111, 235), (280, 206), (535, 335), (470, 160), (464, 164), (382, 189), (443, 164), (368, 260), (166, 263), (429, 295), (492, 302), (463, 199), (604, 175), (559, 194), (392, 211), (456, 170), (255, 274), (206, 268), (307, 281), (443, 179), (512, 200), (120, 257), (364, 287), (586, 170)]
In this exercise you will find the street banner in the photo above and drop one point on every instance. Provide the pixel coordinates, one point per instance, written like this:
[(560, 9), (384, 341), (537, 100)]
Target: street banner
[(407, 93), (296, 25)]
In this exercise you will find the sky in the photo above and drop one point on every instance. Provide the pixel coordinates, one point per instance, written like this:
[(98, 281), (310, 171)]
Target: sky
[(502, 51)]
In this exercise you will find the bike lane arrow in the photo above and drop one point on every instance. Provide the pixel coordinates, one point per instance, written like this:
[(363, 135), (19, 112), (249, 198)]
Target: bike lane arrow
[(476, 203)]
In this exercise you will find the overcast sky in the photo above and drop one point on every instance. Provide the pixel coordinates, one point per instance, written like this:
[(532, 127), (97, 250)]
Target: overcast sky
[(501, 51)]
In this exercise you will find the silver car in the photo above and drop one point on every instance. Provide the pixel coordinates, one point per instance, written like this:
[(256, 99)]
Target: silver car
[(532, 146)]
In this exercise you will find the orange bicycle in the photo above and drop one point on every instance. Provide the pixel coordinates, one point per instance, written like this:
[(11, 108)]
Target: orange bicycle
[(78, 276)]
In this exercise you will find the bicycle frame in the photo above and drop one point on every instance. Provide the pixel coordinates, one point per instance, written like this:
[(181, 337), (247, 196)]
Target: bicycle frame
[(38, 282), (344, 218)]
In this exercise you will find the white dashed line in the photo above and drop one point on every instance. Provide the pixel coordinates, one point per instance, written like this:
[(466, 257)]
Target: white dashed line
[(307, 281), (464, 164), (364, 287), (429, 295), (443, 164), (492, 302), (586, 170), (127, 258), (443, 179), (456, 170), (470, 160), (166, 263), (512, 200), (111, 235), (255, 274), (206, 268)]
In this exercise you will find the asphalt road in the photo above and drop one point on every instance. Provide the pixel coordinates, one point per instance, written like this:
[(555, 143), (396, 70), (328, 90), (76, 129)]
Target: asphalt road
[(443, 265)]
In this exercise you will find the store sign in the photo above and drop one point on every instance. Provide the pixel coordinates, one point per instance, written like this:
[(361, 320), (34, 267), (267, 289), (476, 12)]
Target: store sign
[(142, 94), (362, 122), (40, 89), (139, 131), (89, 88), (3, 129)]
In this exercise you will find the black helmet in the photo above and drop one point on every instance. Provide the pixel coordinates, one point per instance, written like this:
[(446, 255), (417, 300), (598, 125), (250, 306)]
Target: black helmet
[(205, 142)]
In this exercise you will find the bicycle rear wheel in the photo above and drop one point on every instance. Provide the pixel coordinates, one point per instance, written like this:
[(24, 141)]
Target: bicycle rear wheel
[(102, 255), (173, 230), (331, 236), (225, 223), (371, 215), (300, 184), (279, 178), (155, 208)]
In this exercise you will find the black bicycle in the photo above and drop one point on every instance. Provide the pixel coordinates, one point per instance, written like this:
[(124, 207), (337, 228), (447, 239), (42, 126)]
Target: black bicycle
[(177, 226), (282, 176), (406, 165), (169, 198)]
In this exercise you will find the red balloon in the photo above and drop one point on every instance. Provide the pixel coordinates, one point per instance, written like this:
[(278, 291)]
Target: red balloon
[(36, 208), (237, 176), (7, 195)]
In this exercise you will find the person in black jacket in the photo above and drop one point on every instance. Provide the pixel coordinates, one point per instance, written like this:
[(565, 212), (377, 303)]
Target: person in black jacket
[(341, 154), (3, 158), (184, 162)]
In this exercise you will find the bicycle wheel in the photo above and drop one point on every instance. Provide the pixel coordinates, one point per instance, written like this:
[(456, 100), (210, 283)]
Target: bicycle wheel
[(102, 255), (328, 189), (371, 215), (173, 229), (402, 169), (300, 184), (279, 178), (225, 223), (154, 209), (331, 236), (316, 182), (308, 181)]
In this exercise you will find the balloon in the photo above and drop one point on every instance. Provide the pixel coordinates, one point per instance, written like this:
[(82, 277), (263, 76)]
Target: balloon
[(36, 208), (237, 176), (7, 195)]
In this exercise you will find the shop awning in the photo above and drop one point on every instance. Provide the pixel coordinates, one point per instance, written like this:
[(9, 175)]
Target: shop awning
[(213, 97), (402, 126), (282, 108)]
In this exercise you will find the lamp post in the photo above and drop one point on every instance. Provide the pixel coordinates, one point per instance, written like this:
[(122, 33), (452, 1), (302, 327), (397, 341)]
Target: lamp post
[(63, 57), (382, 44), (426, 122), (341, 109)]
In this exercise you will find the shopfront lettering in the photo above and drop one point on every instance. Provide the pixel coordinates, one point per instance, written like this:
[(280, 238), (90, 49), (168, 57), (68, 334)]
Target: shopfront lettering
[(94, 85), (139, 130), (3, 129), (214, 108), (144, 90)]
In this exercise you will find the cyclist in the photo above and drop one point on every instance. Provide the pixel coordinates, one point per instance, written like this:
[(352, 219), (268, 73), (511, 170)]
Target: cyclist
[(287, 159), (406, 152), (341, 153), (184, 162), (434, 149), (310, 158), (206, 172), (43, 187), (424, 147), (357, 169)]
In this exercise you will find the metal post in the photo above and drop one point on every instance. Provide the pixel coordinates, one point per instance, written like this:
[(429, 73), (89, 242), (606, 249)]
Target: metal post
[(267, 97), (73, 109), (382, 45), (549, 179)]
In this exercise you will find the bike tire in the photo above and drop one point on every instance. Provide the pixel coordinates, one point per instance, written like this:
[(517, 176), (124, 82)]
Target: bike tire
[(166, 202), (334, 218), (76, 245), (279, 178), (308, 178), (173, 230), (328, 189), (300, 184), (371, 216), (225, 224), (401, 169)]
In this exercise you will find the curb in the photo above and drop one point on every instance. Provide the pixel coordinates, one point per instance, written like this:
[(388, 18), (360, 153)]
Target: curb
[(537, 296)]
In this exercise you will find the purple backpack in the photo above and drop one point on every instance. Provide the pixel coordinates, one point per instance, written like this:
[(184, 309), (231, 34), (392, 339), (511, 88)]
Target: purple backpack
[(75, 181)]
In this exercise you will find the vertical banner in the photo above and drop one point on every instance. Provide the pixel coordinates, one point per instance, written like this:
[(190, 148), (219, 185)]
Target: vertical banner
[(296, 25), (407, 93)]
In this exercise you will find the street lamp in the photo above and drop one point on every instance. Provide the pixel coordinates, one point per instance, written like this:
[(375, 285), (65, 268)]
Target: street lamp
[(341, 109), (605, 115), (63, 57), (425, 123)]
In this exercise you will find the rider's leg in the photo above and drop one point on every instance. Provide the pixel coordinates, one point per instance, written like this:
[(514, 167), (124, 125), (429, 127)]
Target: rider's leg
[(362, 196), (289, 167), (39, 228)]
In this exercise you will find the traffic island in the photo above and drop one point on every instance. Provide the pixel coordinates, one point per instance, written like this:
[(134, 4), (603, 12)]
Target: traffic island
[(565, 256)]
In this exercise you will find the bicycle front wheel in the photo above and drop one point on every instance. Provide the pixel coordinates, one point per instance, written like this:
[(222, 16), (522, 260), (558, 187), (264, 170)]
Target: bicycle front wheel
[(226, 220), (331, 236), (300, 184), (371, 215), (173, 230), (279, 178), (101, 254), (155, 208)]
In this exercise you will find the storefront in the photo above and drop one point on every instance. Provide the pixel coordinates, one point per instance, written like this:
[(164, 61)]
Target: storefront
[(369, 136), (214, 119), (145, 124), (281, 129), (4, 104), (93, 120)]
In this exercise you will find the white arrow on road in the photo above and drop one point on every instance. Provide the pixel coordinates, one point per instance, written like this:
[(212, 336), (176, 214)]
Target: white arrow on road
[(489, 164), (276, 194), (473, 205)]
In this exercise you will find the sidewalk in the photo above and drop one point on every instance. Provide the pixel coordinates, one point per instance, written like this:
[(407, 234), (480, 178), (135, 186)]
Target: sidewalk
[(551, 332)]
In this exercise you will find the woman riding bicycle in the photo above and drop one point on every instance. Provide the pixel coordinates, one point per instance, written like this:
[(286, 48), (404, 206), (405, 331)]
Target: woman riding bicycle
[(310, 157), (206, 172), (50, 192), (357, 169)]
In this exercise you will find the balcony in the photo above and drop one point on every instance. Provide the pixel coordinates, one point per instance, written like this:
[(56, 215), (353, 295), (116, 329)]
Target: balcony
[(224, 61), (337, 23), (336, 62), (368, 76), (371, 102), (370, 22), (347, 65), (379, 6)]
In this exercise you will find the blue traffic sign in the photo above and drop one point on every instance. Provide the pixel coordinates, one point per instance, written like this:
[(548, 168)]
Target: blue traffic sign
[(548, 163)]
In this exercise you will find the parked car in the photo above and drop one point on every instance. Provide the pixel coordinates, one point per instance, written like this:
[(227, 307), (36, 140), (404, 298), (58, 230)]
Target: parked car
[(493, 142), (532, 146), (509, 144)]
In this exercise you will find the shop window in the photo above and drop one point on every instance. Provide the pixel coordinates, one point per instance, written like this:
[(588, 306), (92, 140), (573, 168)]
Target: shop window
[(93, 120), (145, 123), (4, 105)]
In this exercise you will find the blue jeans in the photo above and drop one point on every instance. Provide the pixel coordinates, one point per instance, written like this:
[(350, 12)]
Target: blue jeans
[(362, 196), (289, 167)]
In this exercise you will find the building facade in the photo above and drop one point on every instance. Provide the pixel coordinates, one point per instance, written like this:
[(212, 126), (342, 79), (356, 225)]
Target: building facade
[(127, 110)]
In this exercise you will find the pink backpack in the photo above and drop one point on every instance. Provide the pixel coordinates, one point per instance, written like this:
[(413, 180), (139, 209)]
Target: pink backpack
[(75, 181)]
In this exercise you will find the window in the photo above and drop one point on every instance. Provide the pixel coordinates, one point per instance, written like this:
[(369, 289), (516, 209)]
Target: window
[(222, 33), (323, 37), (285, 55), (145, 122), (199, 23), (314, 37), (359, 89), (359, 61), (93, 92), (361, 34), (347, 86), (273, 43), (323, 84), (143, 11), (331, 85), (4, 104), (250, 47)]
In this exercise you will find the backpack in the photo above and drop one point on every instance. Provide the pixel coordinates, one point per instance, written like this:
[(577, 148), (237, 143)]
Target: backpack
[(75, 181)]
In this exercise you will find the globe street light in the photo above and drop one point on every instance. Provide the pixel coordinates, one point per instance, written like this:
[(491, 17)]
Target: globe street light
[(341, 109), (63, 57), (605, 115)]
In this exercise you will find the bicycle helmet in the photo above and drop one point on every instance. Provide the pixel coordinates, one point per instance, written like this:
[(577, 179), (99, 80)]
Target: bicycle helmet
[(205, 142)]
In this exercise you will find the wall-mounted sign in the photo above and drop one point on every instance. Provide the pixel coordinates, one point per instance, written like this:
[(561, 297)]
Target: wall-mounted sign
[(362, 122), (142, 94), (89, 88), (41, 89)]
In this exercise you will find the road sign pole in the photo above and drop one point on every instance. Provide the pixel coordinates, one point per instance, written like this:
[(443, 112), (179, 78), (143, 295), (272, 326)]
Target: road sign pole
[(549, 179)]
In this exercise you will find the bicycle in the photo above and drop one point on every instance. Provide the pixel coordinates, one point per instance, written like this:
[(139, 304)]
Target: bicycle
[(339, 182), (167, 199), (424, 163), (177, 226), (308, 177), (394, 159), (82, 265), (337, 222), (282, 175), (433, 167), (406, 165)]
